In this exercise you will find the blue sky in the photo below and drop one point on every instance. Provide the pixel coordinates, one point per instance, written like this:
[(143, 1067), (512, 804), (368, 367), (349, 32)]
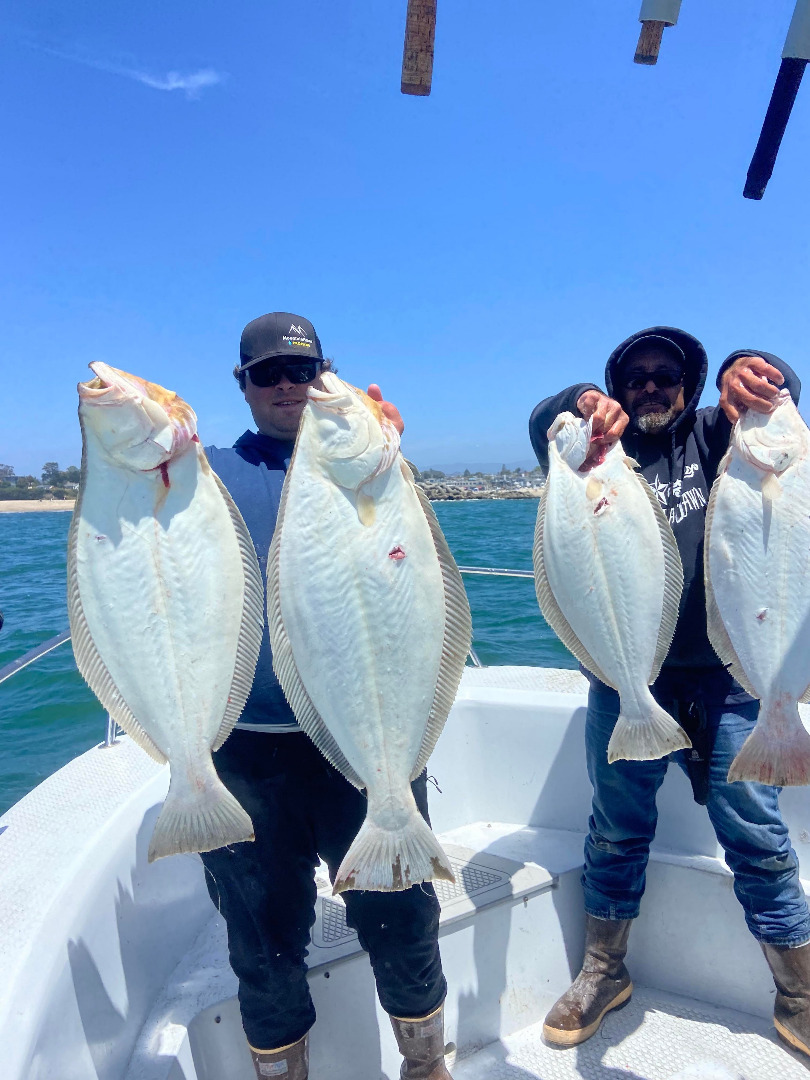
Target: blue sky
[(472, 251)]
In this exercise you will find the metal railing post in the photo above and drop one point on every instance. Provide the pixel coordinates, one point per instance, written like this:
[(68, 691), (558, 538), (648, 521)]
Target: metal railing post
[(111, 738)]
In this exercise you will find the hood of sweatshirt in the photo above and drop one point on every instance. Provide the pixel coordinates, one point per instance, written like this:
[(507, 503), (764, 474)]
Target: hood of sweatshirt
[(695, 368)]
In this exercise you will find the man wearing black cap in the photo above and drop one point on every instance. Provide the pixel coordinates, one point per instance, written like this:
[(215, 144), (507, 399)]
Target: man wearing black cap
[(302, 808), (654, 380)]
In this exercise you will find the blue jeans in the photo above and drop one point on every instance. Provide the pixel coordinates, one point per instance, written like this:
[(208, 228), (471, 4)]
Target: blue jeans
[(745, 817)]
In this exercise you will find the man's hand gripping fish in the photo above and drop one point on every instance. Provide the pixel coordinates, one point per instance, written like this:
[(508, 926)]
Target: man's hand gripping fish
[(165, 598), (757, 564), (369, 625), (609, 579)]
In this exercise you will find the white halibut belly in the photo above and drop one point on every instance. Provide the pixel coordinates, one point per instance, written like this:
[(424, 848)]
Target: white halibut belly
[(609, 579), (596, 564), (162, 594), (759, 566), (366, 629)]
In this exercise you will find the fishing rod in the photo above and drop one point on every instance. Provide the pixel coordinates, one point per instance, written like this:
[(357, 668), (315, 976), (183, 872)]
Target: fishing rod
[(34, 654)]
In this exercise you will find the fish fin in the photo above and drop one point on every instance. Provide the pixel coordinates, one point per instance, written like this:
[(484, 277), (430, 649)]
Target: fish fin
[(198, 820), (673, 582), (765, 760), (725, 461), (250, 631), (771, 488), (805, 698), (650, 734), (631, 463), (284, 663), (549, 607), (716, 628), (457, 635), (88, 660), (366, 509), (383, 860)]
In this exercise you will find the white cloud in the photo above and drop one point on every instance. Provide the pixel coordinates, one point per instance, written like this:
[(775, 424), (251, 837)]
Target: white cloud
[(191, 83)]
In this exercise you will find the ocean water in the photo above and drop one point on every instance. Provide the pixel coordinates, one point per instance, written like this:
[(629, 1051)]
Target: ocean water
[(47, 713)]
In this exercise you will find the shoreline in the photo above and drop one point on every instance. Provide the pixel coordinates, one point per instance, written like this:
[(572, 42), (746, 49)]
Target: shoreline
[(39, 506), (34, 506)]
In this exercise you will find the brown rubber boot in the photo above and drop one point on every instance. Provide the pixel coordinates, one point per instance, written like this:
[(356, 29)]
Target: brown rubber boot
[(421, 1043), (602, 985), (287, 1062), (791, 1012)]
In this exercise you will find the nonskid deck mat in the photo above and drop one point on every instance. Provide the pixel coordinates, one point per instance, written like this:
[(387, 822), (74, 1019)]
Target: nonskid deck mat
[(655, 1036), (472, 880)]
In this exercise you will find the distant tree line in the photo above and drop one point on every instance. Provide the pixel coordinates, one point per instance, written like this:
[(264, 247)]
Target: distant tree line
[(54, 483)]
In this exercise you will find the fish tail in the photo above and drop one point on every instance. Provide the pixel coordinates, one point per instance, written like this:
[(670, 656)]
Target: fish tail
[(647, 733), (391, 860), (770, 757), (198, 820)]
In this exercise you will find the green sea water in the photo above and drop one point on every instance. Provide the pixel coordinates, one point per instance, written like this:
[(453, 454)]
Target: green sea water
[(47, 713)]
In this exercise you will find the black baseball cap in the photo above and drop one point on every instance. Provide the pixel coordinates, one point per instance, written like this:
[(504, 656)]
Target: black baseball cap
[(278, 334), (653, 341)]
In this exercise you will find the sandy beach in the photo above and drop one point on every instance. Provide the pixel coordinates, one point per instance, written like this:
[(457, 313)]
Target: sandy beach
[(31, 506)]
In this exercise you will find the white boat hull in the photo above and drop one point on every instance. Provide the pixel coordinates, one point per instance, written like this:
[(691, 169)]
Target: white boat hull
[(114, 969)]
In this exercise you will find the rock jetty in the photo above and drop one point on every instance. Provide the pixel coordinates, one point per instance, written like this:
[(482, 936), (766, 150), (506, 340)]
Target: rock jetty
[(440, 490)]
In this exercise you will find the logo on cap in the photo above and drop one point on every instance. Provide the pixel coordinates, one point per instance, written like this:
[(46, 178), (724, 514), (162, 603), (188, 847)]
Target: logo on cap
[(297, 330)]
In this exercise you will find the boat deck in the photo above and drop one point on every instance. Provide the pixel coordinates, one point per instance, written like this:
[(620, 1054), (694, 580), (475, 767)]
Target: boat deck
[(121, 967), (656, 1036)]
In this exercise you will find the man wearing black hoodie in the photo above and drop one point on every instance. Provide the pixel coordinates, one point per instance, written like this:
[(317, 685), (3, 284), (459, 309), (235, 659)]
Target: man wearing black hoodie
[(654, 381)]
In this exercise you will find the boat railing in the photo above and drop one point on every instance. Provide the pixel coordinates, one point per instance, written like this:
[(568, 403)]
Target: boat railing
[(113, 730)]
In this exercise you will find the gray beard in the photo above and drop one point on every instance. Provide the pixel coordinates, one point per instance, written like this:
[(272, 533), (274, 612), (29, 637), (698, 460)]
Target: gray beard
[(653, 423)]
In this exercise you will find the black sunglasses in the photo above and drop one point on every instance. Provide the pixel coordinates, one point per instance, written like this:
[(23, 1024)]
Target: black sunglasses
[(270, 372), (664, 380)]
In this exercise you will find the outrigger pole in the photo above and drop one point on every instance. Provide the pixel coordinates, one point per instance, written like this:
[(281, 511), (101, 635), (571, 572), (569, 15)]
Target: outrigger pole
[(417, 57), (795, 55), (655, 15)]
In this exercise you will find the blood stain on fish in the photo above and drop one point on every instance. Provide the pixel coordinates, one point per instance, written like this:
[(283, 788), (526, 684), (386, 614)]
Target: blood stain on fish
[(396, 553), (164, 472)]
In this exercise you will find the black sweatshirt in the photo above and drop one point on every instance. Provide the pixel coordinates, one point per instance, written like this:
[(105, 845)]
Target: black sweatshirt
[(680, 466)]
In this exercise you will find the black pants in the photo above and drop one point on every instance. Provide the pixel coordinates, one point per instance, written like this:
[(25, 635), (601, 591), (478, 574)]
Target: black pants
[(302, 808)]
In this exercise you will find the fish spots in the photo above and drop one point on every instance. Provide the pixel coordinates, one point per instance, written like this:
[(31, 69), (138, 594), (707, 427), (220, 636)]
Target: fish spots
[(762, 615), (441, 872), (396, 871), (601, 507), (396, 553), (164, 472), (593, 488)]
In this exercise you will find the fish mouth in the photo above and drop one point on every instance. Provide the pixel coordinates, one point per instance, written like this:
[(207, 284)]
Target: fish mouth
[(323, 400), (108, 387), (173, 421)]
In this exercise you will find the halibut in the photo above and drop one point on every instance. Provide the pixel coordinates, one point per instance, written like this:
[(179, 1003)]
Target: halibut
[(165, 598), (369, 625), (609, 580), (757, 569)]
